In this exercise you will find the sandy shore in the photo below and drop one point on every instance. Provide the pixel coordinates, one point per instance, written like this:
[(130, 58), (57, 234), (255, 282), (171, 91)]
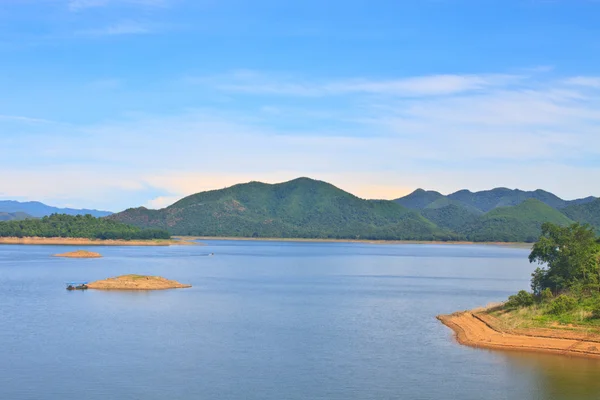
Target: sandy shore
[(507, 244), (79, 254), (136, 282), (479, 329), (92, 242)]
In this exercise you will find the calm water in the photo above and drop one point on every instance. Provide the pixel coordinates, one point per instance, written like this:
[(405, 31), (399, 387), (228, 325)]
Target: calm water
[(268, 320)]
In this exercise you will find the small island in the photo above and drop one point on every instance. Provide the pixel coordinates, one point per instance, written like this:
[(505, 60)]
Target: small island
[(136, 282), (562, 312), (79, 254)]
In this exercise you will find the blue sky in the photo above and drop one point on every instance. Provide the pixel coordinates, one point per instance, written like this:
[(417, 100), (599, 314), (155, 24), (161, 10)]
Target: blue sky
[(119, 103)]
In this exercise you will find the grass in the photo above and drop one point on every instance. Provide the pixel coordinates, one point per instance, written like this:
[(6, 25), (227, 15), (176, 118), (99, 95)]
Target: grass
[(540, 315)]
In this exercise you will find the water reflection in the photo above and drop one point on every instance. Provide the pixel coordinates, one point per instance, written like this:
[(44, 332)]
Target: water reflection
[(557, 377)]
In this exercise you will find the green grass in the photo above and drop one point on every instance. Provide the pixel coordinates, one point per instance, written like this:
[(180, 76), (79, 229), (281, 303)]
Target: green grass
[(540, 315)]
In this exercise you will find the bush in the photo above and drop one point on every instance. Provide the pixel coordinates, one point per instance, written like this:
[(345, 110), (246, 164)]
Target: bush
[(521, 299), (546, 295), (562, 304)]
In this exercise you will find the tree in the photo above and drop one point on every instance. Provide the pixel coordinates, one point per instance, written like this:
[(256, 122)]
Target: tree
[(569, 255)]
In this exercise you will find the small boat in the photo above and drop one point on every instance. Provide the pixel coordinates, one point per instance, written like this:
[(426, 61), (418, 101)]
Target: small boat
[(77, 285)]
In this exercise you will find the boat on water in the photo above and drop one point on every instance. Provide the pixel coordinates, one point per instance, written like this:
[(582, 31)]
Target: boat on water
[(77, 286)]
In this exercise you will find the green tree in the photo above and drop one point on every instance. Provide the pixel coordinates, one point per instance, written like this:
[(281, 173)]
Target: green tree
[(568, 255)]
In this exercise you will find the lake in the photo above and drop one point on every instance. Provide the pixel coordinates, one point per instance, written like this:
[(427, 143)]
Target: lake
[(268, 320)]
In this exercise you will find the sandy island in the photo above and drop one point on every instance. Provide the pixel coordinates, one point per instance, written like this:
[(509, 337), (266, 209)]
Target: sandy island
[(93, 242), (79, 254), (478, 328), (136, 282)]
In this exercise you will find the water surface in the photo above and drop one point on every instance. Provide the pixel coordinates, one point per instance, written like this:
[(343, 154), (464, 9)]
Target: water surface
[(268, 320)]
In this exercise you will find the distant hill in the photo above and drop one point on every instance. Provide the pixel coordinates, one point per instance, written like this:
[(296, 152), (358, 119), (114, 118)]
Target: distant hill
[(307, 208), (15, 216), (521, 223), (587, 213), (452, 217), (486, 200), (301, 208), (419, 199), (38, 210)]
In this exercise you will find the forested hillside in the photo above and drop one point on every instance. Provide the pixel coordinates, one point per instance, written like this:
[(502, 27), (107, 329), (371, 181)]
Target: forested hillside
[(305, 208), (302, 208), (79, 226)]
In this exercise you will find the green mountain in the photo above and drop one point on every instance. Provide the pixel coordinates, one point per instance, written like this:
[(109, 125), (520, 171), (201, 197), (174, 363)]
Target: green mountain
[(521, 223), (451, 217), (302, 207), (14, 216), (588, 213), (484, 201), (419, 199), (487, 200)]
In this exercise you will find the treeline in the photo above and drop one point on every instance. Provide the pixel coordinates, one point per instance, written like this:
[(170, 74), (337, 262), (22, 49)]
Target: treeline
[(566, 288), (78, 226)]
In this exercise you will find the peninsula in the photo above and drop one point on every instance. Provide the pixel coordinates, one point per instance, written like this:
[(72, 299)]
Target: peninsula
[(136, 282), (562, 313)]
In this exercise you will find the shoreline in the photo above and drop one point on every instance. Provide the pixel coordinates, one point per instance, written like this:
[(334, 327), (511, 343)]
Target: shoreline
[(480, 330), (93, 242), (365, 241)]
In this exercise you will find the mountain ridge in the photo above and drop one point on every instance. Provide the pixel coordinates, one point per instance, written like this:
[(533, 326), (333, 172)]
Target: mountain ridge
[(302, 207), (307, 208), (37, 209)]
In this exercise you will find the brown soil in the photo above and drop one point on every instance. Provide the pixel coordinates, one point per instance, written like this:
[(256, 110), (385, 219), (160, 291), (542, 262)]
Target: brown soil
[(507, 244), (472, 329), (91, 242), (136, 282), (79, 254)]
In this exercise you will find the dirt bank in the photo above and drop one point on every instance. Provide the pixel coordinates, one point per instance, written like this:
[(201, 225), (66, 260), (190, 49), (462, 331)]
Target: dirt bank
[(472, 329), (136, 282), (79, 254), (92, 242), (507, 244)]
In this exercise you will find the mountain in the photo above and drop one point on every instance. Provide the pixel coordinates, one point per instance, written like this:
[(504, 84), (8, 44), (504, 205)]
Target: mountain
[(419, 199), (521, 223), (451, 217), (587, 213), (38, 210), (486, 200), (16, 216), (299, 208)]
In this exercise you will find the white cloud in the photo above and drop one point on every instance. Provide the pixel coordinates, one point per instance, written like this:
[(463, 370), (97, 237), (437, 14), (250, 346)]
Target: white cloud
[(589, 81), (528, 135), (256, 83)]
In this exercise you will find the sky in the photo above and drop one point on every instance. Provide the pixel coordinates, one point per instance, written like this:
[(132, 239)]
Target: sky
[(111, 104)]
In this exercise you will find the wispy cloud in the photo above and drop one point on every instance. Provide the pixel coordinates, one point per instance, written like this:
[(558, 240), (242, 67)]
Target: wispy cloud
[(589, 81), (520, 132), (258, 83), (19, 118), (121, 28)]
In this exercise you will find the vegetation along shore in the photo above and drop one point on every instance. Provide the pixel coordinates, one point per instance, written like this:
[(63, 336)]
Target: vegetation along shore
[(562, 312)]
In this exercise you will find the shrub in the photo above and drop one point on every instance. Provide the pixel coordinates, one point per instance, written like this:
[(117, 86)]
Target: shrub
[(521, 299), (546, 295), (562, 304)]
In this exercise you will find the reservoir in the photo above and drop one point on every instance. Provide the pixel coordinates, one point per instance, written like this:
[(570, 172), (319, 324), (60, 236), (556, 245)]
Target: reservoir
[(268, 321)]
